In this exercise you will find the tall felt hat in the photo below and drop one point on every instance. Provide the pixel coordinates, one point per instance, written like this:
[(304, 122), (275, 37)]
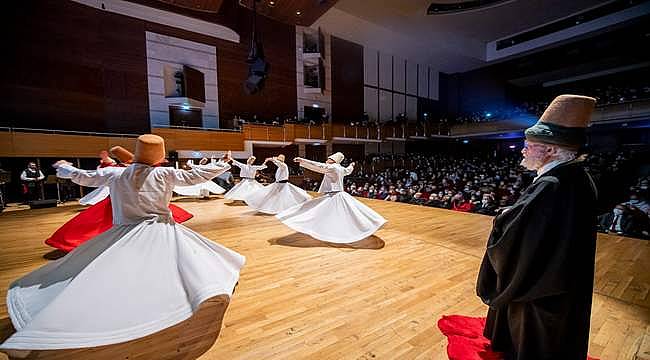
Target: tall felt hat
[(564, 121), (149, 149), (122, 154), (337, 157)]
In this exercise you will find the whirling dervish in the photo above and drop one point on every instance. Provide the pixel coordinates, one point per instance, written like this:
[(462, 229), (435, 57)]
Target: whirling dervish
[(336, 216), (247, 185), (280, 195), (99, 217), (145, 274)]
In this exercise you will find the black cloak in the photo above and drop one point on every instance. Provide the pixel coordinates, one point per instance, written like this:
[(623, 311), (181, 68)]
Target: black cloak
[(538, 269)]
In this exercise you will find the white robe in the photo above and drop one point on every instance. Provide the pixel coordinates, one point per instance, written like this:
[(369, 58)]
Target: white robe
[(199, 190), (335, 217), (95, 196), (247, 185), (277, 197), (144, 274)]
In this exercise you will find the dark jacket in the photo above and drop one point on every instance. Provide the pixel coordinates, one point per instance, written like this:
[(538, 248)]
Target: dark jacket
[(538, 269)]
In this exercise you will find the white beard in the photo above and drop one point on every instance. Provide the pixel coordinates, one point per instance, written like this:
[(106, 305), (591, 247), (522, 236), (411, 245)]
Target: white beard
[(532, 162)]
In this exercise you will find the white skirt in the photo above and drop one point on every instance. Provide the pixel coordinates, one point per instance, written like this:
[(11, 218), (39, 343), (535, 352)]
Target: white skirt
[(276, 198), (128, 282), (95, 196), (202, 189), (335, 217), (244, 188)]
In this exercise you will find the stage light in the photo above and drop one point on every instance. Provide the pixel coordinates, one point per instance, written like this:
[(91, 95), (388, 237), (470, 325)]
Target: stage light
[(488, 114), (511, 146), (465, 141), (314, 105), (185, 107)]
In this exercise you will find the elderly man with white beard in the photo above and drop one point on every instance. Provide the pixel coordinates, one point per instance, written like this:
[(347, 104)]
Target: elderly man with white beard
[(538, 269)]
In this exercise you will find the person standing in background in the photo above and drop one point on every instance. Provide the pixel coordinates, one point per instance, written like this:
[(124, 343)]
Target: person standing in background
[(31, 178)]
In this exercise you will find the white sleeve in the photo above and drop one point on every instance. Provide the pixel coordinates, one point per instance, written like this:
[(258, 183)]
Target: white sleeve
[(198, 174), (90, 178), (40, 175), (259, 167), (348, 170), (23, 176), (237, 163), (316, 166)]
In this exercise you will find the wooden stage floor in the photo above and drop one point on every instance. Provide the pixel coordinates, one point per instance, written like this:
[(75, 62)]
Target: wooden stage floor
[(299, 298)]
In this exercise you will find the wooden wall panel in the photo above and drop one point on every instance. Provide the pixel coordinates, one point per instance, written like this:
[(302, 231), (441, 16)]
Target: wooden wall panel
[(25, 144), (300, 131), (277, 134), (89, 72), (76, 68), (278, 97), (181, 139), (319, 132), (347, 81)]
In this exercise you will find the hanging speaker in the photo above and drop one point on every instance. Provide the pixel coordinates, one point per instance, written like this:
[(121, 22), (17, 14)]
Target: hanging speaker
[(258, 67), (253, 84)]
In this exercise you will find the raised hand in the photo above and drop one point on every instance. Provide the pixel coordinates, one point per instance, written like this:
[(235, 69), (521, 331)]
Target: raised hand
[(297, 159)]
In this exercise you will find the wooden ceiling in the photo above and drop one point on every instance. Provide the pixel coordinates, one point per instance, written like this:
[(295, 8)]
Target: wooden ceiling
[(293, 12), (211, 6)]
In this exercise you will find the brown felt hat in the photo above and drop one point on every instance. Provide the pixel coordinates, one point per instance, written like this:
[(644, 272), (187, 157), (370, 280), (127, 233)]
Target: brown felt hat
[(564, 121), (122, 154), (149, 149)]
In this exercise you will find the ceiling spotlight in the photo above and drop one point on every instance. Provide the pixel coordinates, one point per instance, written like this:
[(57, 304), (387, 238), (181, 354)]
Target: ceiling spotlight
[(271, 3), (298, 13)]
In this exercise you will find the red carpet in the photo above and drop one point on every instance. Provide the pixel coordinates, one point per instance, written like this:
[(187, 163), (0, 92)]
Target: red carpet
[(466, 340), (94, 221)]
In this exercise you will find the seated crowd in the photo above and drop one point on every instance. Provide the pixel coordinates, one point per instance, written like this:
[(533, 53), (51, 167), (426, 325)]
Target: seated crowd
[(485, 185)]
